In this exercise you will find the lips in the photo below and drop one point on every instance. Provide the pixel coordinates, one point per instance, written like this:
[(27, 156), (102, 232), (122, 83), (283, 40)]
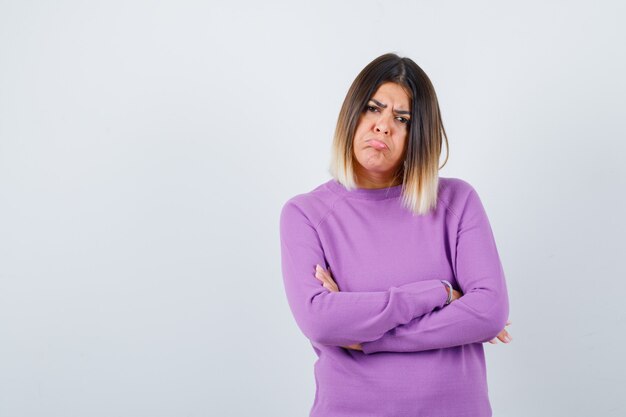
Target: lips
[(378, 144)]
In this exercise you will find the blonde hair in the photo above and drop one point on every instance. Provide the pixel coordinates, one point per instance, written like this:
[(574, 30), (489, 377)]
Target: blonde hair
[(420, 170)]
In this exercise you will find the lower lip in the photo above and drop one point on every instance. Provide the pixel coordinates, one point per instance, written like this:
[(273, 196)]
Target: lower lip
[(378, 145)]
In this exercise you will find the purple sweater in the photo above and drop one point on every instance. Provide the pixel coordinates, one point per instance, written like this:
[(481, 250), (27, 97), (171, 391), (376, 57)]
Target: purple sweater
[(420, 357)]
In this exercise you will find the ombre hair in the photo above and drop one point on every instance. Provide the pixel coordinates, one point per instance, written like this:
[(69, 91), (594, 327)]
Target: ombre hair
[(419, 172)]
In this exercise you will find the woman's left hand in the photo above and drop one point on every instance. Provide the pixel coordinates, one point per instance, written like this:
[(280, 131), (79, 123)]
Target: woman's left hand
[(504, 336), (330, 284)]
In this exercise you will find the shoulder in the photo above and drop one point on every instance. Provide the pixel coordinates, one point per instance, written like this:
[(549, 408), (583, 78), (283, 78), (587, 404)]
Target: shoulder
[(454, 186), (312, 205), (457, 194)]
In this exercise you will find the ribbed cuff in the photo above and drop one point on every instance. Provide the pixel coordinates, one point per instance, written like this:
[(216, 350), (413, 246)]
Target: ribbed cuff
[(424, 296)]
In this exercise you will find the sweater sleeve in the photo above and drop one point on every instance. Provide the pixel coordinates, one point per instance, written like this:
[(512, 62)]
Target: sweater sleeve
[(479, 314), (342, 318)]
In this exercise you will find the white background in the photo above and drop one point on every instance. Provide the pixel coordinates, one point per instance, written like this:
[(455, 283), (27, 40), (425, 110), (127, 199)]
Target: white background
[(147, 147)]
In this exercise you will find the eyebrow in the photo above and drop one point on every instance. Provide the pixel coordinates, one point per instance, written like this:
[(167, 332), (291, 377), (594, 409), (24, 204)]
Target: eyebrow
[(384, 106)]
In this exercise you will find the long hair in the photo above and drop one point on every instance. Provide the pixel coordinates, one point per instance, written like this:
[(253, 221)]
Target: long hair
[(419, 172)]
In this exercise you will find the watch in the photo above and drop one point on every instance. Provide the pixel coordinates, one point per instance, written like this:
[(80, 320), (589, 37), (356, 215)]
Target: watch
[(449, 300)]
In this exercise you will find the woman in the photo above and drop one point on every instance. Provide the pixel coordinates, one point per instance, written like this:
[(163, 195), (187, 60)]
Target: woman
[(422, 286)]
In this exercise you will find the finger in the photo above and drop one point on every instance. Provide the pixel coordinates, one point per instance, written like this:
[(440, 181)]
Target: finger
[(328, 284), (332, 282), (505, 337), (326, 272), (329, 279), (322, 278), (320, 271), (323, 275)]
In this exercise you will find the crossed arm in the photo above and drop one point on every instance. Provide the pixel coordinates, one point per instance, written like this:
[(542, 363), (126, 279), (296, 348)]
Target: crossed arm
[(408, 318), (325, 276)]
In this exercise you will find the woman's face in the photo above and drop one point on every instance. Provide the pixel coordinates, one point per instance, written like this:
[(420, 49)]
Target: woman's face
[(381, 134)]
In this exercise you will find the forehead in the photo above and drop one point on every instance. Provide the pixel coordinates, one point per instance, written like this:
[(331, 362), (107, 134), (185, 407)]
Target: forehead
[(392, 93)]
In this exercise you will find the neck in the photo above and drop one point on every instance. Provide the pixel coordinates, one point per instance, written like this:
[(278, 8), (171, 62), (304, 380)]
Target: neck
[(369, 181)]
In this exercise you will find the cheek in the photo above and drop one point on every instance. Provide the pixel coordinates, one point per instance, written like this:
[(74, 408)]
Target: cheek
[(400, 144), (402, 138), (366, 122), (360, 131)]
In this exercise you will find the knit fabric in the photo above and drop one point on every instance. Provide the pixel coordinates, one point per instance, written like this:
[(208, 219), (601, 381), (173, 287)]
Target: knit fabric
[(420, 357)]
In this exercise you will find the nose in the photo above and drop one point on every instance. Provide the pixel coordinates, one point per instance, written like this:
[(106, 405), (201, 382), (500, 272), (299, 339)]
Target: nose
[(382, 126)]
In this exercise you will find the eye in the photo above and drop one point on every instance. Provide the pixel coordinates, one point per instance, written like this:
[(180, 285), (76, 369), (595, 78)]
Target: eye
[(403, 120), (371, 108)]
